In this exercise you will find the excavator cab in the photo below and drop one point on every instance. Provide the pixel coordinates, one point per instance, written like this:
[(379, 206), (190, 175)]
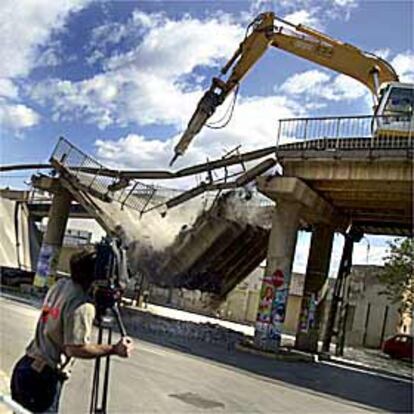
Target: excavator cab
[(394, 115)]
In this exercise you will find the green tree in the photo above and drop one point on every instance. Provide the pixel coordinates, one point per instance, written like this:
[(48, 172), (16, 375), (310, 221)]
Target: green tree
[(398, 275)]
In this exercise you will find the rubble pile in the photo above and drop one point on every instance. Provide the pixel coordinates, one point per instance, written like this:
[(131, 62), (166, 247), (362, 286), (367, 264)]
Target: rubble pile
[(144, 324)]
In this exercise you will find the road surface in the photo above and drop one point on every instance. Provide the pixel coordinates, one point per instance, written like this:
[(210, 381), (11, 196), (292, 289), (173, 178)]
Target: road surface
[(158, 379)]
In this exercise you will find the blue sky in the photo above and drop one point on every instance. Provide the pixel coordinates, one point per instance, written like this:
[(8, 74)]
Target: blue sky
[(120, 79)]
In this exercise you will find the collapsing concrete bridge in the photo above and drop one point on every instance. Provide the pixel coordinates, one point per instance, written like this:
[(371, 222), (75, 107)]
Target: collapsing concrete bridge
[(215, 253), (205, 244), (332, 182)]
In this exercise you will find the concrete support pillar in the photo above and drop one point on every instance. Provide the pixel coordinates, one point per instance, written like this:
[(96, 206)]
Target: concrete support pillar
[(275, 285), (316, 273), (53, 239)]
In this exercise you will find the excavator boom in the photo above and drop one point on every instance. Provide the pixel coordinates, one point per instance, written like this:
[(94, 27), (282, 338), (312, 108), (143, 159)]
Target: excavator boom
[(299, 40)]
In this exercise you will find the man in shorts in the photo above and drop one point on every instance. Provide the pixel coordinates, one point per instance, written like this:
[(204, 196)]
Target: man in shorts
[(63, 332)]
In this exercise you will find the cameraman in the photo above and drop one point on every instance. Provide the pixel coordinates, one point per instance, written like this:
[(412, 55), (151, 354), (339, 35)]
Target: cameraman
[(63, 332)]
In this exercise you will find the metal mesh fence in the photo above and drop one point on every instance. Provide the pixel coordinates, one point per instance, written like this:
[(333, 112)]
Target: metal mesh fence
[(85, 172)]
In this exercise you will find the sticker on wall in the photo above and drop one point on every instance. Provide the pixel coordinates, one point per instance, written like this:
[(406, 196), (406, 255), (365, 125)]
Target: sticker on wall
[(262, 330), (278, 313), (307, 315), (265, 304), (275, 334), (278, 279), (46, 264)]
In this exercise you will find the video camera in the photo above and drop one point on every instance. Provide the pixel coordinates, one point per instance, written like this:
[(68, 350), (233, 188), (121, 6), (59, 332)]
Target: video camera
[(110, 274)]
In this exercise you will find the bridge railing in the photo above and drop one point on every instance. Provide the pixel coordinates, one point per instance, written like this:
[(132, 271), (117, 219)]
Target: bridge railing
[(86, 172), (348, 132)]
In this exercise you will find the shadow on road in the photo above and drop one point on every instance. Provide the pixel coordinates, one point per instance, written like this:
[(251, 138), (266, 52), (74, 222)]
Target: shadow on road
[(332, 381)]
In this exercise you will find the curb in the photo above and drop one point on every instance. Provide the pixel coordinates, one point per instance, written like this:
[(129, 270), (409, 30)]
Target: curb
[(285, 354), (22, 299), (339, 361)]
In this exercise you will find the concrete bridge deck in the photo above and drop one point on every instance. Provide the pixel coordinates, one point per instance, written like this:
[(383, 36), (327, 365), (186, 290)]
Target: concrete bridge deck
[(372, 185)]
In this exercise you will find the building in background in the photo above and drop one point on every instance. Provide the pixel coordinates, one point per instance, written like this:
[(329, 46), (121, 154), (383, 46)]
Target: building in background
[(369, 316), (241, 303)]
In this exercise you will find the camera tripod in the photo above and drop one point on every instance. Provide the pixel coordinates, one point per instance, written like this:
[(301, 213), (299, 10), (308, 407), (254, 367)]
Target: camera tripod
[(99, 406)]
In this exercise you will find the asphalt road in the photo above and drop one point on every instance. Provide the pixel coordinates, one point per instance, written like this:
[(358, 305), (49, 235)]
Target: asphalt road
[(159, 379)]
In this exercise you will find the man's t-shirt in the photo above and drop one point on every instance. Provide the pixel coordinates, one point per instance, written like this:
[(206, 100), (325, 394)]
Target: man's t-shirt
[(66, 319)]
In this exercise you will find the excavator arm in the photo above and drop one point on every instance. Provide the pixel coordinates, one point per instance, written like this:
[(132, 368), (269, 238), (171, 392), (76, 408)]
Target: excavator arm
[(299, 40)]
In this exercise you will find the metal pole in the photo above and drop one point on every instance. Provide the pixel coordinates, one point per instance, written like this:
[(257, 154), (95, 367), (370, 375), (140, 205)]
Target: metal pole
[(352, 236), (340, 345)]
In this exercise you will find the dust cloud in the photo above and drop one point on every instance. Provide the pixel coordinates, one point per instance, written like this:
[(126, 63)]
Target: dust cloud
[(155, 240)]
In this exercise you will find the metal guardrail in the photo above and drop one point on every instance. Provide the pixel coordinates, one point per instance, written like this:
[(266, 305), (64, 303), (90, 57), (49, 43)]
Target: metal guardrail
[(133, 193), (348, 132)]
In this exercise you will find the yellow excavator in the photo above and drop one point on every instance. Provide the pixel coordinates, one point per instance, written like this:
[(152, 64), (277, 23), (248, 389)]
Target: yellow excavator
[(390, 96)]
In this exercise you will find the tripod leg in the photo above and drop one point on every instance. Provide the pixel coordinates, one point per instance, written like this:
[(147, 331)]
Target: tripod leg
[(117, 314), (106, 377), (95, 380)]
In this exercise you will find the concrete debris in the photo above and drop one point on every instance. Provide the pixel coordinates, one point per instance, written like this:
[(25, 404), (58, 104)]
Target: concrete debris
[(210, 254), (146, 324)]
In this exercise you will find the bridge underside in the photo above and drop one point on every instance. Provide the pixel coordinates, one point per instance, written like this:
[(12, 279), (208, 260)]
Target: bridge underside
[(370, 186)]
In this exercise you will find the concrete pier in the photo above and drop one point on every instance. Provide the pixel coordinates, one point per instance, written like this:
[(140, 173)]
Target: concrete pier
[(297, 205), (275, 287), (53, 239), (316, 274)]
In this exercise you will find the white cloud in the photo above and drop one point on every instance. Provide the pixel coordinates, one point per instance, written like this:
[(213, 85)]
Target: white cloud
[(8, 89), (403, 63), (16, 117), (49, 57), (347, 4), (305, 17), (114, 32), (346, 88), (305, 82), (383, 53), (254, 125), (26, 26), (318, 84), (134, 151), (315, 12), (146, 85)]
